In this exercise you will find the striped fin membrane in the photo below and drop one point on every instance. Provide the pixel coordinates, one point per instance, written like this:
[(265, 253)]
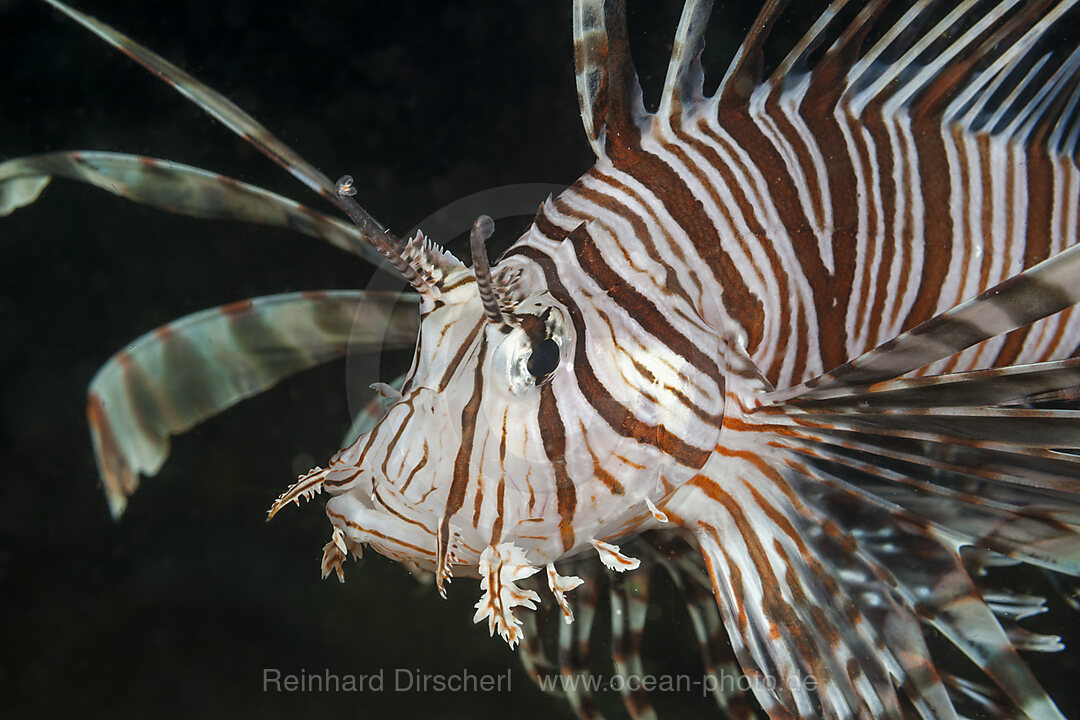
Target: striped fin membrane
[(175, 377)]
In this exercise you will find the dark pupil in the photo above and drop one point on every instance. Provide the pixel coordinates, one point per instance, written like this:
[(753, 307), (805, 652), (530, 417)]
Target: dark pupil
[(544, 359)]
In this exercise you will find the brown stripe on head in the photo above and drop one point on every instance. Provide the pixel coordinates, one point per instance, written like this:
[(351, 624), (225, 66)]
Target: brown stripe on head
[(553, 436), (455, 497), (645, 312), (616, 415)]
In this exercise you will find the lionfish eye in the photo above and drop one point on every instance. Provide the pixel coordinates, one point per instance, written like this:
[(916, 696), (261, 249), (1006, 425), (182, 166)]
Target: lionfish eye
[(543, 360)]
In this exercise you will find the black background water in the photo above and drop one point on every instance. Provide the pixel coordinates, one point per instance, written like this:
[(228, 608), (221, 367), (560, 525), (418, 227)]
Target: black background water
[(177, 610)]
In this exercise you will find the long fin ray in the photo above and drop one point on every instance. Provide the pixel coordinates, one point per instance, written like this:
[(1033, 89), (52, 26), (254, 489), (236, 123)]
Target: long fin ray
[(629, 596), (609, 94), (209, 100), (796, 58), (965, 450), (801, 602), (744, 72), (1008, 474), (176, 188), (937, 584), (574, 644), (590, 60), (239, 122), (683, 564), (1043, 533), (1038, 292), (683, 84), (1012, 385)]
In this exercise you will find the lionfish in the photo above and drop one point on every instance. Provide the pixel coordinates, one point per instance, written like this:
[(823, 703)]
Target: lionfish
[(808, 344)]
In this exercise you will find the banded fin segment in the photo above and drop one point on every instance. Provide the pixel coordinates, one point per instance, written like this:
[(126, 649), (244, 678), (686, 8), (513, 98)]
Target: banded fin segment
[(174, 377), (1016, 385), (797, 57), (685, 79), (176, 188), (978, 700), (239, 122), (981, 509), (628, 595), (827, 78), (683, 564), (926, 570), (609, 95), (929, 62), (574, 645), (19, 189), (629, 592), (915, 469), (590, 60), (744, 73), (972, 453), (209, 100), (1040, 291), (534, 660), (574, 642), (801, 600), (1028, 453)]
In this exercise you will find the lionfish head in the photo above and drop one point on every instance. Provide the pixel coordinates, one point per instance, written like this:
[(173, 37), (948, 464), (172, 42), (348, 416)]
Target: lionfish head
[(489, 462)]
